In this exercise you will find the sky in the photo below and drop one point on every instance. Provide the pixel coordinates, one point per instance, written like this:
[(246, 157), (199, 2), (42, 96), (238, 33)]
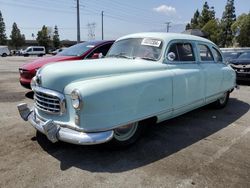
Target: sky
[(120, 17)]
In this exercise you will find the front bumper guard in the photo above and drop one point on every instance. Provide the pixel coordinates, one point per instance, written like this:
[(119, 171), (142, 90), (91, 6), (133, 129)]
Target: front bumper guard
[(55, 132)]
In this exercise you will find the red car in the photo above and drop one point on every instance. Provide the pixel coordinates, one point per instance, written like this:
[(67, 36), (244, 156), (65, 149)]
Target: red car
[(85, 50)]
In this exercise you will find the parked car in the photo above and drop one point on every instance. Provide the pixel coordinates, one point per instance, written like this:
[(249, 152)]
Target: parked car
[(233, 53), (145, 78), (85, 50), (241, 65), (4, 51), (34, 50)]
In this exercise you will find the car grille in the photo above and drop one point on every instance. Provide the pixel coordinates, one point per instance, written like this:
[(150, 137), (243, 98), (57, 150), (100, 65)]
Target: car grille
[(241, 68), (49, 101)]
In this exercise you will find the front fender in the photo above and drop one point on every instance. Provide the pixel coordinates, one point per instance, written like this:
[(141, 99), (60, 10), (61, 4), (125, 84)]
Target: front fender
[(117, 100)]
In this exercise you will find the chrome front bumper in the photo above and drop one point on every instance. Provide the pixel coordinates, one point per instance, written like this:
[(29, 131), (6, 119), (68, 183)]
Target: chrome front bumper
[(55, 132)]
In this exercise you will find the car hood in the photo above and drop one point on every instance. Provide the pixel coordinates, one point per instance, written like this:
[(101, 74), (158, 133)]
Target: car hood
[(58, 75), (240, 61), (37, 63)]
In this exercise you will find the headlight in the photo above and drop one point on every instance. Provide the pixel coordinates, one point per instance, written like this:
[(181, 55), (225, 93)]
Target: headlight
[(76, 99), (33, 83)]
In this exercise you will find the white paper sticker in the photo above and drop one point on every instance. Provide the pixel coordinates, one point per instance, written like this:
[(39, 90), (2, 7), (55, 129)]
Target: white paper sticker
[(151, 42), (90, 46)]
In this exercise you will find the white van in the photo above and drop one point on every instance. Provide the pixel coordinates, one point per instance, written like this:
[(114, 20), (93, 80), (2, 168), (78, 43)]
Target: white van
[(4, 51), (34, 50)]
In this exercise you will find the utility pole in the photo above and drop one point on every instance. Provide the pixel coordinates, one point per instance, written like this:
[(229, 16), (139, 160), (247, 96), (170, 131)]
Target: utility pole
[(168, 26), (102, 26), (78, 22)]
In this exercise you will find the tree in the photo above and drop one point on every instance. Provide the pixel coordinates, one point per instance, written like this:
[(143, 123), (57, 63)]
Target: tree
[(43, 38), (56, 38), (201, 19), (213, 29), (207, 14), (3, 37), (228, 18), (188, 26), (17, 39), (195, 20), (241, 30)]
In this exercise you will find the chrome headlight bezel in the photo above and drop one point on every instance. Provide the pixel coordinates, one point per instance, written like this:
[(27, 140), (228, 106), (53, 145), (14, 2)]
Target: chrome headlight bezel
[(33, 83), (76, 99)]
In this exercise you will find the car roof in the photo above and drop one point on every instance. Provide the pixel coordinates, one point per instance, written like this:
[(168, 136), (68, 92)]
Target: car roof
[(98, 42), (166, 36)]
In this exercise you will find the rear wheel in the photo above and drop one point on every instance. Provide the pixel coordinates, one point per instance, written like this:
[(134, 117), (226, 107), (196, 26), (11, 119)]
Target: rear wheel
[(222, 102)]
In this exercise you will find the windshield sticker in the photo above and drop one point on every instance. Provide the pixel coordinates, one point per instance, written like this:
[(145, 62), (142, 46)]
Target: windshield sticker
[(151, 42), (90, 46)]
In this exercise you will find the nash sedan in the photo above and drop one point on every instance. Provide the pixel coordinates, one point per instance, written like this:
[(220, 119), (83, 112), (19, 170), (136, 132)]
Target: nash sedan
[(145, 78)]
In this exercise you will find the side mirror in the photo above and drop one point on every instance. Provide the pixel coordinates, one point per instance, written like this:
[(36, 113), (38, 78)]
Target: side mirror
[(97, 56), (171, 56)]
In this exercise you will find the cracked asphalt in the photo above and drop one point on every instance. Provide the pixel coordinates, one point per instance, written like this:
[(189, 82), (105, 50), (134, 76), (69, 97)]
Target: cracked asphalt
[(203, 148)]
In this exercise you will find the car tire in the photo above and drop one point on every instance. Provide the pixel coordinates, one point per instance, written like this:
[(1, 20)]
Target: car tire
[(4, 55), (221, 102), (127, 135)]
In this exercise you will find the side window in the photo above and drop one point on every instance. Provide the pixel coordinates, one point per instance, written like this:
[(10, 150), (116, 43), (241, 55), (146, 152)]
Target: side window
[(217, 55), (182, 51), (102, 49), (205, 53)]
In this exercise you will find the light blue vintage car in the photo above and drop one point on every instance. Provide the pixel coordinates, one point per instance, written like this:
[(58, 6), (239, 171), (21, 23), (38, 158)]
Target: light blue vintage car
[(146, 78)]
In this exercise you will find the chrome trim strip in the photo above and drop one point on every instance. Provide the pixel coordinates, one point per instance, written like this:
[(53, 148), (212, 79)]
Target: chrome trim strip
[(39, 100)]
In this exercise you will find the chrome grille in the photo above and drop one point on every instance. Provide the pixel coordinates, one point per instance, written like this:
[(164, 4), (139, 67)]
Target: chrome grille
[(49, 101)]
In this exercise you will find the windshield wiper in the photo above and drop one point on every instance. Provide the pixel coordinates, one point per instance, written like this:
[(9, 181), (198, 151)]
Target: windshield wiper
[(147, 58)]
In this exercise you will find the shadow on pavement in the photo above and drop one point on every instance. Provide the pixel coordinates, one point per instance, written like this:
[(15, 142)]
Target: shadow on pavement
[(30, 95), (160, 142)]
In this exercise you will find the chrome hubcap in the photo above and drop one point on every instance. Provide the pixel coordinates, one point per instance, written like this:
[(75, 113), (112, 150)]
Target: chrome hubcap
[(125, 132), (223, 99)]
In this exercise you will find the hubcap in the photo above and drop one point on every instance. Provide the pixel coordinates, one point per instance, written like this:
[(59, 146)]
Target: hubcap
[(223, 99), (125, 132)]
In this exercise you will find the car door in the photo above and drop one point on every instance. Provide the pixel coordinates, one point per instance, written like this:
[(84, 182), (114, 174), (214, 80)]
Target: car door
[(188, 79), (212, 70)]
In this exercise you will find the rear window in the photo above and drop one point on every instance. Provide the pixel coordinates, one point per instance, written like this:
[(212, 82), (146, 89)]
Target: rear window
[(182, 51), (217, 55), (205, 53)]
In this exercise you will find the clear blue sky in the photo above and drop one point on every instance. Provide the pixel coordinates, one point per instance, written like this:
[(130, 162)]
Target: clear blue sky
[(120, 17)]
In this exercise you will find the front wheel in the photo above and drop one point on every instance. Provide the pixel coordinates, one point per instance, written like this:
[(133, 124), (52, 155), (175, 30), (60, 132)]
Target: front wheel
[(222, 102), (4, 55), (127, 134)]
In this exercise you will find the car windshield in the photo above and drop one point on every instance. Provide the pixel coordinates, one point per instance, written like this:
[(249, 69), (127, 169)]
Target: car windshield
[(231, 55), (143, 48), (77, 50), (245, 55)]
